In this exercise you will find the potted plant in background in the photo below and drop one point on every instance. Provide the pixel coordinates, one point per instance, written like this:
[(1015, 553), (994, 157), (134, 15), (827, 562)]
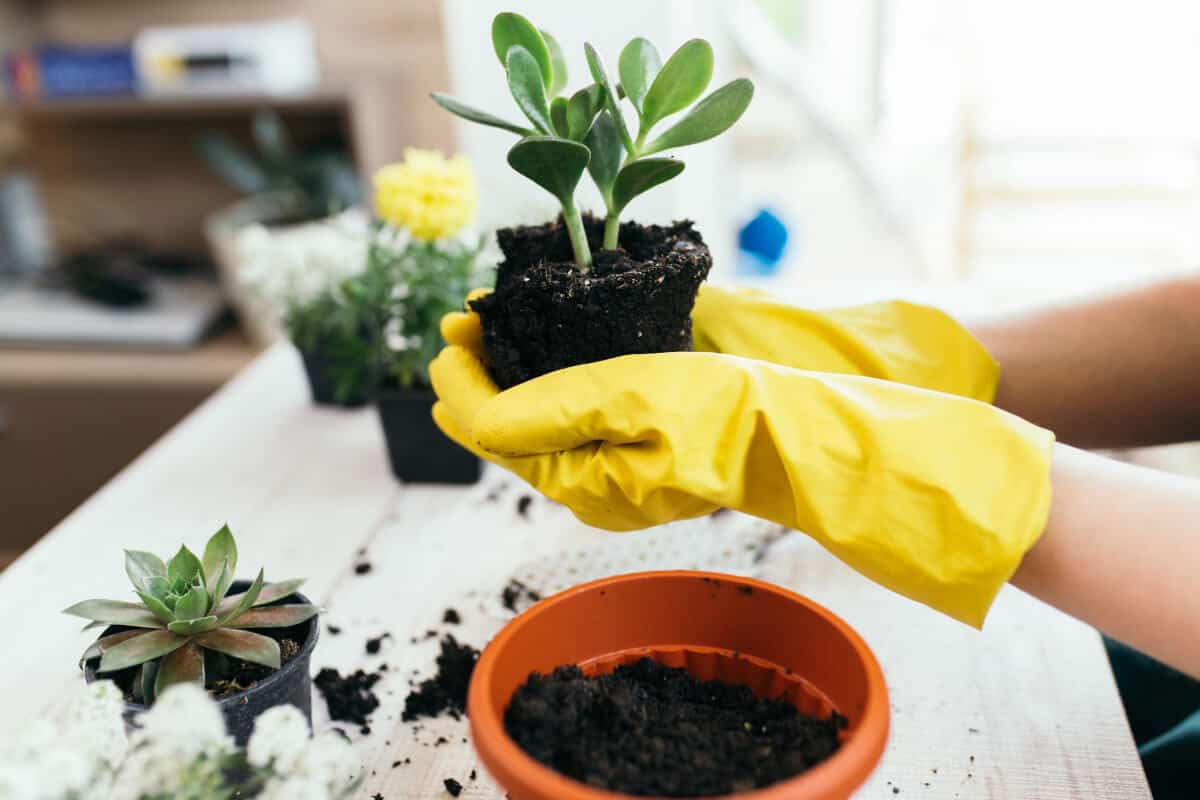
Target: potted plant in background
[(422, 260), (288, 190), (327, 303), (583, 289), (248, 643)]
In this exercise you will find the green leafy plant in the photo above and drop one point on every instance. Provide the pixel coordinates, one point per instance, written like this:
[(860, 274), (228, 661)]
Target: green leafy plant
[(423, 281), (587, 130), (185, 609), (322, 180)]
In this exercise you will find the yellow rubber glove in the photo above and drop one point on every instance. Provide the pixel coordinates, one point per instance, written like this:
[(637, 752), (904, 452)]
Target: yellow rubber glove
[(895, 341), (934, 496)]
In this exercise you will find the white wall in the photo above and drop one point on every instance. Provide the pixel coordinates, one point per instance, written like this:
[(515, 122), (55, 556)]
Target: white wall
[(701, 193)]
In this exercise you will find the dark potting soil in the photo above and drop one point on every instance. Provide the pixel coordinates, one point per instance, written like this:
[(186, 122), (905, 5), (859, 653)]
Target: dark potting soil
[(545, 314), (646, 729), (446, 691), (349, 698), (516, 592), (453, 787), (451, 617)]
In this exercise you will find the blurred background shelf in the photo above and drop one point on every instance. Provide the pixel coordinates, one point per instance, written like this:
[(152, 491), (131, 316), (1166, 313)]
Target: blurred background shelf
[(324, 100)]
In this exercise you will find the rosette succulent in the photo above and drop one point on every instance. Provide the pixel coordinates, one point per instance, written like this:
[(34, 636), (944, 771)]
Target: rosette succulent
[(185, 610)]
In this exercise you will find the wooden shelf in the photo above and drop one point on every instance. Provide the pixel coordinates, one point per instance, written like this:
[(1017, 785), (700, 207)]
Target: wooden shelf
[(209, 364), (323, 100)]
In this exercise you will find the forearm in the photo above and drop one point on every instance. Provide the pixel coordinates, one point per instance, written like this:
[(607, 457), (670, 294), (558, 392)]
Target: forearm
[(1121, 552), (1117, 372)]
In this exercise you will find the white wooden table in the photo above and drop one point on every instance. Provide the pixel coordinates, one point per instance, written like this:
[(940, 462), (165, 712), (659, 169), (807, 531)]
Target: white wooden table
[(1027, 709)]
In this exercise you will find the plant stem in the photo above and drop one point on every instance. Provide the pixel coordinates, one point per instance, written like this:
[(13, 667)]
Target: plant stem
[(612, 229), (579, 242)]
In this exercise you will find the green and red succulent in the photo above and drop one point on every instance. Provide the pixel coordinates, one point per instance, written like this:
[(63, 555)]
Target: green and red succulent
[(185, 609)]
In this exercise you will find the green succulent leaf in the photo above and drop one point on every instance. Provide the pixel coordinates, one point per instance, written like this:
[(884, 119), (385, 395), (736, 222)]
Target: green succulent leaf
[(551, 162), (157, 607), (271, 138), (185, 665), (192, 605), (141, 567), (139, 649), (246, 645), (221, 547), (158, 587), (185, 567), (710, 117), (220, 586), (275, 616), (231, 608), (115, 612), (682, 79), (600, 75), (272, 592), (641, 176), (475, 115), (512, 30), (190, 627), (97, 648), (146, 676), (525, 84), (605, 145), (638, 65), (558, 116), (558, 64), (582, 109)]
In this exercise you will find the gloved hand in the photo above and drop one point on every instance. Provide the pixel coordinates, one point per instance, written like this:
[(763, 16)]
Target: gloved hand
[(895, 341), (937, 497)]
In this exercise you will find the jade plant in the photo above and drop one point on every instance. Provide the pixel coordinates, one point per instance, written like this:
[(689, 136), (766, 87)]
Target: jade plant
[(587, 130), (185, 609)]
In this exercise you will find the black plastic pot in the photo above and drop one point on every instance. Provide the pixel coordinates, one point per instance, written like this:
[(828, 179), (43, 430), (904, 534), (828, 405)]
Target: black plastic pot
[(417, 448), (291, 684), (317, 366)]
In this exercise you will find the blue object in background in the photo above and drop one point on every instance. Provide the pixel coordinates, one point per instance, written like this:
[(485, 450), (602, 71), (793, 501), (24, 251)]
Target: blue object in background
[(85, 71), (762, 243)]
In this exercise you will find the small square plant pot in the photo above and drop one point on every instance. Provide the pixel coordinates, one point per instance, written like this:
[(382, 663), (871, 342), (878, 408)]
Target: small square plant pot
[(317, 367), (418, 450), (291, 684)]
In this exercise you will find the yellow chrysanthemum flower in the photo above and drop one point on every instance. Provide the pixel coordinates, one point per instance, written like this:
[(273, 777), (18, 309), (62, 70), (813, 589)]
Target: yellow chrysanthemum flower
[(428, 194)]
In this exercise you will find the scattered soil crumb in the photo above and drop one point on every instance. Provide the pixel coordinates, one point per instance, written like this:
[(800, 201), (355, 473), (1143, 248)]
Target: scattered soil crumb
[(523, 503), (453, 787), (451, 617), (334, 630), (517, 592), (375, 643), (362, 568), (349, 698), (447, 689), (472, 775)]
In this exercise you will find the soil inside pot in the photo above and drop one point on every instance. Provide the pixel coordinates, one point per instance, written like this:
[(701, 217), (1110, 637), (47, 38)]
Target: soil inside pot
[(225, 675), (546, 314), (650, 730)]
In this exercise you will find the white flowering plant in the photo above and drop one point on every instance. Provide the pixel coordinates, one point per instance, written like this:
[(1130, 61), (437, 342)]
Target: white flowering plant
[(424, 281), (314, 281), (181, 751)]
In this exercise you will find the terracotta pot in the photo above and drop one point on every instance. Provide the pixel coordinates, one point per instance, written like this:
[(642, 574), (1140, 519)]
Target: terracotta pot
[(716, 626), (290, 684)]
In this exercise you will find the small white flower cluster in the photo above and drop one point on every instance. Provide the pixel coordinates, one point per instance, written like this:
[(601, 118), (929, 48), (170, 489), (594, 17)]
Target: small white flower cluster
[(78, 758), (291, 267), (180, 752)]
